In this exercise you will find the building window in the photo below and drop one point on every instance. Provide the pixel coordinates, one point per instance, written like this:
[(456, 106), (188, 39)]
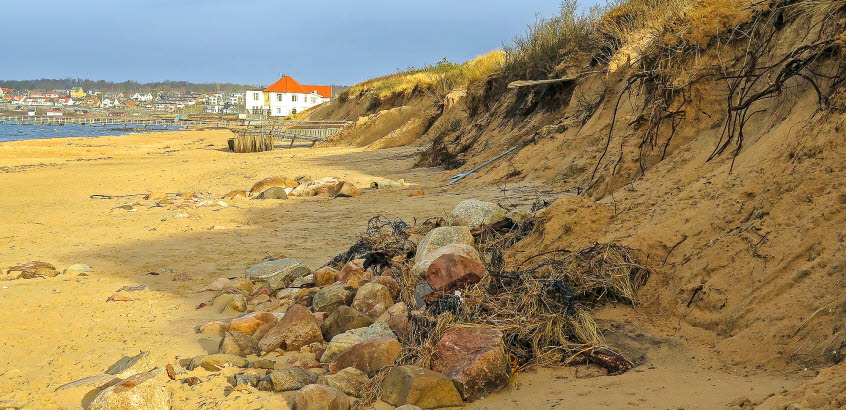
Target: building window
[(279, 111), (255, 97), (279, 97), (294, 98)]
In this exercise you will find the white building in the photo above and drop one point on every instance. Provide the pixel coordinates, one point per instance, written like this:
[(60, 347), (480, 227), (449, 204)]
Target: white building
[(142, 97), (286, 97)]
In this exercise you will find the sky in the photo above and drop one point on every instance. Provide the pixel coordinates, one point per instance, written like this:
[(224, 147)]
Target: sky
[(250, 41)]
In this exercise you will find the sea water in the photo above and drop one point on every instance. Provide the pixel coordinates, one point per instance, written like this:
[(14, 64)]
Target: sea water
[(17, 132)]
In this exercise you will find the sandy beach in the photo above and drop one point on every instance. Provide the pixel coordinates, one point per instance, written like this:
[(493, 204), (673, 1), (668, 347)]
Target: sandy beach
[(61, 329)]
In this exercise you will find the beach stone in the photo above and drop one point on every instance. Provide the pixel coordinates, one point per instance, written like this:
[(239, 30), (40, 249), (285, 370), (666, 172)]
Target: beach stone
[(216, 286), (330, 297), (303, 281), (397, 318), (421, 387), (353, 273), (244, 285), (454, 271), (272, 182), (262, 364), (350, 381), (273, 193), (78, 268), (247, 379), (213, 329), (338, 344), (248, 324), (369, 296), (325, 276), (320, 397), (438, 238), (215, 362), (421, 291), (421, 265), (229, 301), (238, 193), (238, 344), (296, 329), (369, 356), (31, 270), (154, 196), (129, 365), (348, 190), (291, 378), (342, 319), (141, 391), (389, 283), (475, 213), (325, 186), (475, 359), (278, 274), (408, 407)]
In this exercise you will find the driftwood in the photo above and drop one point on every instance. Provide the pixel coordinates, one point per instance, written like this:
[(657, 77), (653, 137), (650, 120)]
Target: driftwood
[(461, 176), (528, 83)]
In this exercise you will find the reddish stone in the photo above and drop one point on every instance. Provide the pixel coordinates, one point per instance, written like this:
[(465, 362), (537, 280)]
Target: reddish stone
[(369, 356), (296, 329), (325, 276), (249, 323), (474, 358), (389, 283), (453, 272), (354, 273)]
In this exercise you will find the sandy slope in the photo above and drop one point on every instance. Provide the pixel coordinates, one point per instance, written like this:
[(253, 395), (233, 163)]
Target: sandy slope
[(62, 329)]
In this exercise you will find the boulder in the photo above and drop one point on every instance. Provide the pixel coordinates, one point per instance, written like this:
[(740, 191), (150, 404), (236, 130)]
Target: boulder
[(248, 324), (325, 276), (279, 273), (421, 291), (296, 329), (338, 344), (212, 329), (342, 319), (389, 283), (79, 268), (272, 193), (129, 365), (475, 213), (438, 238), (420, 387), (371, 295), (330, 297), (141, 391), (350, 381), (238, 344), (397, 318), (325, 186), (215, 362), (320, 397), (353, 273), (421, 264), (238, 193), (303, 281), (475, 359), (348, 190), (229, 302), (291, 378), (248, 379), (369, 356), (266, 183), (455, 271)]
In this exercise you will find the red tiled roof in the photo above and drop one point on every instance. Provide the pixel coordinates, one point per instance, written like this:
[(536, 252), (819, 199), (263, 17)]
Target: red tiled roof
[(288, 85), (7, 90)]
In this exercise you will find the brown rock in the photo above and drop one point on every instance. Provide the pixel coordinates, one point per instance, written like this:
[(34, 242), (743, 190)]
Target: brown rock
[(369, 356), (249, 323), (291, 378), (143, 390), (389, 283), (295, 330), (370, 297), (239, 344), (238, 193), (420, 387), (350, 381), (353, 271), (325, 276), (35, 269), (348, 190), (474, 358), (454, 271), (215, 362), (330, 297), (320, 397), (273, 182), (418, 192), (397, 318), (342, 319)]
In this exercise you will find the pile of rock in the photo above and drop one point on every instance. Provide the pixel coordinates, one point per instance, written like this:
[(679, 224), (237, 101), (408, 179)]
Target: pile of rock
[(38, 269), (282, 188)]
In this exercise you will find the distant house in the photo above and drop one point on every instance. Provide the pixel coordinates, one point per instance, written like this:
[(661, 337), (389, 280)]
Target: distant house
[(64, 101), (146, 97), (77, 93), (91, 101), (117, 114), (130, 104), (45, 94), (286, 97), (55, 113)]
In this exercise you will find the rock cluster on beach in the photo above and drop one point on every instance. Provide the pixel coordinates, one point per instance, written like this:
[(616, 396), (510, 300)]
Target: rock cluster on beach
[(327, 338)]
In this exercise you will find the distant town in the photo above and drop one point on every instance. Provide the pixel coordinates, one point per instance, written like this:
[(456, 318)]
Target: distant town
[(284, 98)]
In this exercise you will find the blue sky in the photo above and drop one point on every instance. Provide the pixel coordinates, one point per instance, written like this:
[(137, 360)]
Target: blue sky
[(250, 41)]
